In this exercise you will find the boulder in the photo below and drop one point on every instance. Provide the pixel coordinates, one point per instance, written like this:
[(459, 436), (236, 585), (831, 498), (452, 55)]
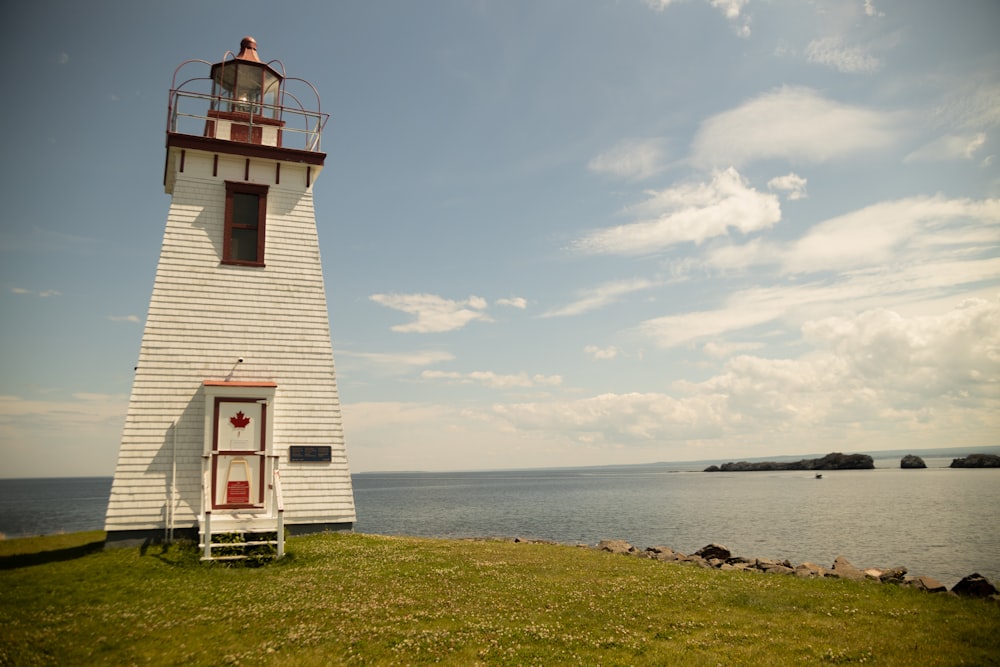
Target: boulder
[(843, 569), (974, 586), (810, 570), (616, 546), (911, 461), (928, 584), (713, 551), (661, 553), (894, 575)]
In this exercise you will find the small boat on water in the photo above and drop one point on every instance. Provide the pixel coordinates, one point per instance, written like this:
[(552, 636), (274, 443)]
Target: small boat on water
[(819, 475)]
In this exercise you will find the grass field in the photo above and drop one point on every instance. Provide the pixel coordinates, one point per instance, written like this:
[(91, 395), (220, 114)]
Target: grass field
[(371, 600)]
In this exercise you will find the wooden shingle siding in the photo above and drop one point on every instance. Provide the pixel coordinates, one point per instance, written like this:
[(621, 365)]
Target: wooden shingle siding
[(202, 317)]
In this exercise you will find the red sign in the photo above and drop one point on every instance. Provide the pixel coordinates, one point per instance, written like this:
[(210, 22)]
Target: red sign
[(238, 492)]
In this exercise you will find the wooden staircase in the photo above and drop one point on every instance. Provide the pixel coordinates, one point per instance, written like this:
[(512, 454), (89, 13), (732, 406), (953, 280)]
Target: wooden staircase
[(242, 527)]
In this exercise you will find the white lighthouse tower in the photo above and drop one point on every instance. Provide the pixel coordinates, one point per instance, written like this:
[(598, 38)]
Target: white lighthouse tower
[(234, 421)]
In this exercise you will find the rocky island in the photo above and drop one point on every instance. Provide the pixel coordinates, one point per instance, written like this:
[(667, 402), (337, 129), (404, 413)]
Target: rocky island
[(977, 461), (832, 461), (911, 461)]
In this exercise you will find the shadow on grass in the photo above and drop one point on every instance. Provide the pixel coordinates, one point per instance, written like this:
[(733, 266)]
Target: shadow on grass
[(14, 561)]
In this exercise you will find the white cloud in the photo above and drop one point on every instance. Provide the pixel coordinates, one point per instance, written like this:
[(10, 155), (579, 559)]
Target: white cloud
[(886, 255), (601, 296), (513, 302), (832, 52), (434, 314), (916, 231), (400, 362), (717, 350), (791, 183), (602, 353), (796, 124), (731, 9), (949, 147), (43, 293), (870, 9), (952, 355), (124, 318), (874, 235), (618, 417), (634, 159), (877, 374), (687, 213), (494, 380)]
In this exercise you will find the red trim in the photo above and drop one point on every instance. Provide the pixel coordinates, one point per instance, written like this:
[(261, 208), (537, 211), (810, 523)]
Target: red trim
[(211, 145), (183, 153), (309, 173), (277, 173), (215, 165), (259, 500), (246, 170), (233, 187)]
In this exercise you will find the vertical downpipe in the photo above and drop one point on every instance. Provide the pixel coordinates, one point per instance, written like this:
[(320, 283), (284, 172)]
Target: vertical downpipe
[(173, 482)]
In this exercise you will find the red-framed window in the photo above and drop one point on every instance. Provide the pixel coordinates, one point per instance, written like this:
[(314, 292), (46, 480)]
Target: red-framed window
[(246, 214)]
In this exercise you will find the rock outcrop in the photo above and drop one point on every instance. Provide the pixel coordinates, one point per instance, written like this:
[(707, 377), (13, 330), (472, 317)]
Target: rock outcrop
[(832, 461), (911, 461), (977, 461)]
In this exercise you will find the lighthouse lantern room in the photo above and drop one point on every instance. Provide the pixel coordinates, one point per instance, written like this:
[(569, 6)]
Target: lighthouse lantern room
[(234, 421)]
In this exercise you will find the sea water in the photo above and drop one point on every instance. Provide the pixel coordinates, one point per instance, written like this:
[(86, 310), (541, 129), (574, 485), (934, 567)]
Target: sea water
[(936, 521)]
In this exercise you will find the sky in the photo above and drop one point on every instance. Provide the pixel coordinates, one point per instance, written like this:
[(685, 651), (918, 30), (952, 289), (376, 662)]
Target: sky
[(553, 233)]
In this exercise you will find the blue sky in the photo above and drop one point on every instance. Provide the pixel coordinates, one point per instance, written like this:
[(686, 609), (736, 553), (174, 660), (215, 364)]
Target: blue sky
[(553, 233)]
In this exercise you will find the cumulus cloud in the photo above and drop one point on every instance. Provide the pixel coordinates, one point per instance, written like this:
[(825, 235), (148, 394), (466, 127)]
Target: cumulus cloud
[(791, 183), (832, 52), (432, 313), (494, 380), (877, 370), (731, 9), (870, 9), (634, 159), (618, 417), (513, 302), (602, 353), (954, 354), (399, 362), (687, 213), (949, 147), (791, 123), (601, 296)]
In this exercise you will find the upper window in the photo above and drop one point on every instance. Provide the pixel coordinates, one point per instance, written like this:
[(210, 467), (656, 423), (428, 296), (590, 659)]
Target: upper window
[(246, 206)]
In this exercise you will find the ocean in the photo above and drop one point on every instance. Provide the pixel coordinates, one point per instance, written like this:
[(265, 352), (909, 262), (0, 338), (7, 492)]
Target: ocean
[(936, 521)]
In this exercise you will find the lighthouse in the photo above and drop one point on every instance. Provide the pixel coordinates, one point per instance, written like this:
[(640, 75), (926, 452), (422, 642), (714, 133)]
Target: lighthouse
[(234, 421)]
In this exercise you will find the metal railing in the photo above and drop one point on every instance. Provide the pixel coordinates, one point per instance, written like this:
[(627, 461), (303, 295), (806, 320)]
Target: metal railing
[(189, 113)]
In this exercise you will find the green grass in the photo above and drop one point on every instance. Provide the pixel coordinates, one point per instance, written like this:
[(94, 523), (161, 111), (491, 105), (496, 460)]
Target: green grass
[(362, 599)]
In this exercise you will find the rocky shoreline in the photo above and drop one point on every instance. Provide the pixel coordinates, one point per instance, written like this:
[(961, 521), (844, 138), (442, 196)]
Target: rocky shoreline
[(717, 556)]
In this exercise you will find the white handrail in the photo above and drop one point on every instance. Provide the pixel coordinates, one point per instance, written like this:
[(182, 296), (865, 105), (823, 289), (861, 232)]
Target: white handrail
[(279, 505)]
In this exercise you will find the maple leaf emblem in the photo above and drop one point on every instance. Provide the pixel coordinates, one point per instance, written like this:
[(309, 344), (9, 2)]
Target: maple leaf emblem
[(239, 420)]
